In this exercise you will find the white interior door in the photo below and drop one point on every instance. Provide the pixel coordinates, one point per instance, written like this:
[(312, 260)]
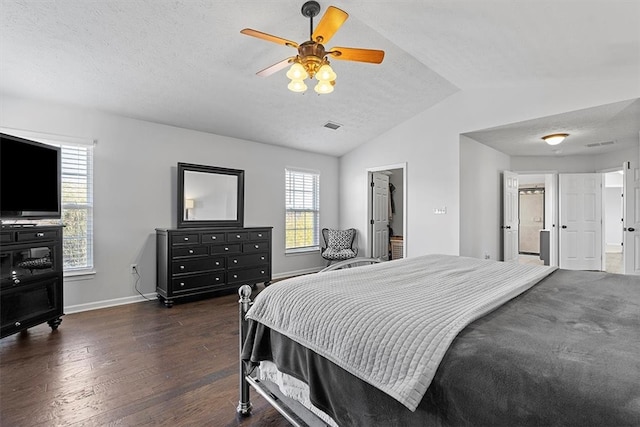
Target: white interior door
[(380, 215), (510, 221), (581, 221), (631, 220)]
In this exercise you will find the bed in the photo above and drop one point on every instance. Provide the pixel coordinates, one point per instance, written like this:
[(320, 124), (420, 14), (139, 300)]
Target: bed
[(444, 340)]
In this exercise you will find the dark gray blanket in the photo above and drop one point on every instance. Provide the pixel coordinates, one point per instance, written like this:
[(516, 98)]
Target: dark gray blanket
[(566, 352)]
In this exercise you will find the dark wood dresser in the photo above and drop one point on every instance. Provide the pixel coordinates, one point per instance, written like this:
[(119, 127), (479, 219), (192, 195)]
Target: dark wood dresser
[(31, 277), (192, 261)]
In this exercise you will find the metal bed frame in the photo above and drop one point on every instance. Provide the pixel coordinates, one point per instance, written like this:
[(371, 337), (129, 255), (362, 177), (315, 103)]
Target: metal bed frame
[(298, 416)]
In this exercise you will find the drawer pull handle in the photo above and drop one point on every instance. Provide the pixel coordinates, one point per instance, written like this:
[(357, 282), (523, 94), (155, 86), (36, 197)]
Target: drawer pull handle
[(186, 239), (182, 267), (237, 236), (261, 258), (217, 262), (16, 281), (235, 261), (190, 251), (217, 279), (259, 234), (257, 246), (235, 276), (40, 234), (213, 237), (18, 323), (181, 283), (226, 249), (261, 271)]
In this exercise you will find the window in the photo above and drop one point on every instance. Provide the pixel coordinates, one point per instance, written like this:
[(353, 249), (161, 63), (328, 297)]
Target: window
[(77, 207), (302, 228)]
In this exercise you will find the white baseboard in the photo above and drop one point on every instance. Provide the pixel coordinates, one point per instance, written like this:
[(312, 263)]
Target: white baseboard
[(153, 296), (108, 303)]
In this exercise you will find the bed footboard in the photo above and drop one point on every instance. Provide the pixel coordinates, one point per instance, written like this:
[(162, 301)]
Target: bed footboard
[(353, 262), (244, 405), (271, 395)]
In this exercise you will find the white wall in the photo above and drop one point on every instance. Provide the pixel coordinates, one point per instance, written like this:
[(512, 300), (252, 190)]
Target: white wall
[(612, 199), (480, 174), (430, 144), (135, 190)]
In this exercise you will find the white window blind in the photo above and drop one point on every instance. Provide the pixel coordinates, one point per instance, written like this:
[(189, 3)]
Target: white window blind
[(302, 228), (77, 207)]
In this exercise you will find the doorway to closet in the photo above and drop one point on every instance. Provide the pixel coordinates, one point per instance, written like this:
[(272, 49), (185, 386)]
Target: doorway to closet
[(387, 219)]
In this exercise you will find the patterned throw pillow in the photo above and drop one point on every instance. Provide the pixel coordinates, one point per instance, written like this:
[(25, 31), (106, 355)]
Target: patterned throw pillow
[(340, 239)]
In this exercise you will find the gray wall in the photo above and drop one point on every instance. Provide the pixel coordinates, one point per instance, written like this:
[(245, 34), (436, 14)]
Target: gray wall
[(135, 191)]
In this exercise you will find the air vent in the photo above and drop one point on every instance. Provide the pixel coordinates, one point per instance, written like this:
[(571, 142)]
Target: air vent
[(332, 125), (599, 144)]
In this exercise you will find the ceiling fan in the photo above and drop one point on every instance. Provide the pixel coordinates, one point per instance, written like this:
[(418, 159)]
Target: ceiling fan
[(311, 60)]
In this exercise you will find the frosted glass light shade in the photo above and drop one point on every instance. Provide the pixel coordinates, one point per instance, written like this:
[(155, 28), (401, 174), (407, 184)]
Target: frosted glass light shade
[(324, 87), (555, 139), (297, 72), (326, 73), (297, 86)]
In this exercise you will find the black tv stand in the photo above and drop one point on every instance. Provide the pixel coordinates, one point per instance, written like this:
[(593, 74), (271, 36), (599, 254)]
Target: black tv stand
[(10, 226), (30, 277)]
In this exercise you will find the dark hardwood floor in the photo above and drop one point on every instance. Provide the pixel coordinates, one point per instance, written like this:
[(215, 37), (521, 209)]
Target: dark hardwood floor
[(138, 364)]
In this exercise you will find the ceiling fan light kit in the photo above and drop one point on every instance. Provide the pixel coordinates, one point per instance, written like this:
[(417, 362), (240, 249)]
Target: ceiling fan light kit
[(311, 60), (555, 138)]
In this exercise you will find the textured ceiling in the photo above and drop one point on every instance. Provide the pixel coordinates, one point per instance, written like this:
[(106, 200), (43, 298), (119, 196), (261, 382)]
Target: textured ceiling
[(185, 63), (616, 125)]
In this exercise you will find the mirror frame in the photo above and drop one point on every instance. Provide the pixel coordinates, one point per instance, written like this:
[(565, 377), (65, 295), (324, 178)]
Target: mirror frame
[(184, 223)]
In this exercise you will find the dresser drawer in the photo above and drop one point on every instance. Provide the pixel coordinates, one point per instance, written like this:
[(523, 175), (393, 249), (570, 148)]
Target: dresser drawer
[(31, 235), (248, 275), (185, 238), (6, 237), (255, 247), (259, 235), (237, 236), (196, 265), (190, 283), (226, 249), (190, 251), (213, 237), (252, 260)]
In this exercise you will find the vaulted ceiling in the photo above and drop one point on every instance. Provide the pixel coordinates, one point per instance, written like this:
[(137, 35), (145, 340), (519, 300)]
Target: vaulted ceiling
[(185, 63)]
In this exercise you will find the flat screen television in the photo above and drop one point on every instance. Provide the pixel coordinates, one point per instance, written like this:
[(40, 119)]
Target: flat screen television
[(30, 176)]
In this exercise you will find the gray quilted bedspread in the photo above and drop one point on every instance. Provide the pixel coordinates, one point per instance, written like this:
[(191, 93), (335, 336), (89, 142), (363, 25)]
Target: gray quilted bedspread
[(390, 324)]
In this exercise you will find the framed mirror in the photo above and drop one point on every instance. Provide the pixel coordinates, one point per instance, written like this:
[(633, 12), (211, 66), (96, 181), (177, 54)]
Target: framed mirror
[(210, 196)]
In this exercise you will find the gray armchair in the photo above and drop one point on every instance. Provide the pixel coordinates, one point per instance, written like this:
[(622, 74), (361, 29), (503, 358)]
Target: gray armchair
[(338, 244)]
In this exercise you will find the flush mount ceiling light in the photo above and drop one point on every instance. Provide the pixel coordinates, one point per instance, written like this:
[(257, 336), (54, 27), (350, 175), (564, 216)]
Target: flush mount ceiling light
[(555, 138), (311, 60)]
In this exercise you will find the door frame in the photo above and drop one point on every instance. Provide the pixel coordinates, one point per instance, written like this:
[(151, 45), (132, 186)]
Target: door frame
[(369, 210)]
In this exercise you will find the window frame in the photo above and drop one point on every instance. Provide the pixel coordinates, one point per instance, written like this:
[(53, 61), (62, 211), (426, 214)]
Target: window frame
[(314, 209)]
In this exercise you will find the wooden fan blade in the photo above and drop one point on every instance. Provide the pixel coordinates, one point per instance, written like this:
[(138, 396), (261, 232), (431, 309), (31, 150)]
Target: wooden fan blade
[(331, 21), (268, 37), (275, 67), (355, 54)]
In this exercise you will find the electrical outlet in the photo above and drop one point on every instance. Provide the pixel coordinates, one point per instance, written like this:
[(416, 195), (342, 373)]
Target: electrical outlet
[(134, 268)]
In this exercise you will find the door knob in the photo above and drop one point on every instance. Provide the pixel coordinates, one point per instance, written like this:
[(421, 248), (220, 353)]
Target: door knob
[(631, 229), (564, 226)]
